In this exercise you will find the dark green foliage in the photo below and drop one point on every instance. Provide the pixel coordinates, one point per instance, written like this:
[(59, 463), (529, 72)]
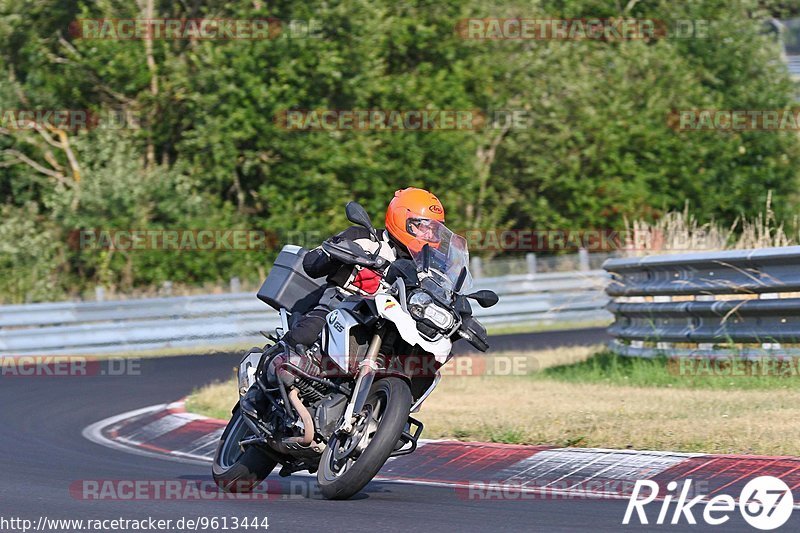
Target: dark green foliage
[(209, 154)]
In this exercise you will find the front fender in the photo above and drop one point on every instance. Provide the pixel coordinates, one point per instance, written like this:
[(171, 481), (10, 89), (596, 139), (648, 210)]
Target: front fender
[(390, 309)]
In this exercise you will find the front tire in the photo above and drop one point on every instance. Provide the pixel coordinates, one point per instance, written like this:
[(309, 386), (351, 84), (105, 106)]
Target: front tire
[(235, 470), (386, 413)]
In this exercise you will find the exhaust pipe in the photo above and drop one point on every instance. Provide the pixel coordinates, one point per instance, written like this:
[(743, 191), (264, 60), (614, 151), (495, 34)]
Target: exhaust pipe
[(308, 422)]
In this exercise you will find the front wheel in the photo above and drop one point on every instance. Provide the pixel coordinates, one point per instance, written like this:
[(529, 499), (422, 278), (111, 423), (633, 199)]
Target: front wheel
[(349, 462), (237, 470)]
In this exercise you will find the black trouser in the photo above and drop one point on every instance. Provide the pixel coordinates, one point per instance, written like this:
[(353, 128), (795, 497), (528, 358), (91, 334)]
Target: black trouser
[(307, 328)]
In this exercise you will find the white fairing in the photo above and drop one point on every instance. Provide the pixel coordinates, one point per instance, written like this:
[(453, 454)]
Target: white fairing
[(390, 309), (336, 337)]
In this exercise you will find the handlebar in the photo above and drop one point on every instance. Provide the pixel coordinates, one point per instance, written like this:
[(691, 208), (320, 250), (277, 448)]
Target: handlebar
[(348, 252)]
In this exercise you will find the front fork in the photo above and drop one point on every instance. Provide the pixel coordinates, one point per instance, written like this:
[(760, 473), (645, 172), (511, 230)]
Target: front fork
[(366, 375)]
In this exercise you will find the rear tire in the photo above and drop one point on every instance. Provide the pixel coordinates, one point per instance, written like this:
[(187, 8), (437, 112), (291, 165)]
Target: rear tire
[(392, 397), (234, 470)]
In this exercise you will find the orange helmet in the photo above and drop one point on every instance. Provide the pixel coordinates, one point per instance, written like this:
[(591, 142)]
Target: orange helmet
[(407, 213)]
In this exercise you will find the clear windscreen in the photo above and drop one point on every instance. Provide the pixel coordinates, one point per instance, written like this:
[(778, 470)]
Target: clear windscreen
[(447, 252)]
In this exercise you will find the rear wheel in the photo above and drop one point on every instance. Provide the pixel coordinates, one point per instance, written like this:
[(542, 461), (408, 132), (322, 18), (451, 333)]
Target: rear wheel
[(237, 470), (349, 462)]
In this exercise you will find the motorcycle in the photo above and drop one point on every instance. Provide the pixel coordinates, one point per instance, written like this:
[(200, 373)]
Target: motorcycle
[(344, 406)]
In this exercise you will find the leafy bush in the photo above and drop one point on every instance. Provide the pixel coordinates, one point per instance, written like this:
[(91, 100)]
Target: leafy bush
[(208, 153)]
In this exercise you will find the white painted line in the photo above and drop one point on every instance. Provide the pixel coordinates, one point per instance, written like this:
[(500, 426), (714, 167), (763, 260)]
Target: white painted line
[(534, 463), (612, 466), (590, 463), (206, 441), (158, 428), (573, 472), (94, 433)]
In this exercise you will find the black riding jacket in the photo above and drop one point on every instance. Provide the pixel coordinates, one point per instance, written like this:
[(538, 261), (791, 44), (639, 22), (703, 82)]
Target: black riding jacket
[(317, 263)]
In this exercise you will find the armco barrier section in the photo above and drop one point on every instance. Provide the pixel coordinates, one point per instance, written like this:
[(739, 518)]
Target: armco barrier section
[(708, 304), (152, 323)]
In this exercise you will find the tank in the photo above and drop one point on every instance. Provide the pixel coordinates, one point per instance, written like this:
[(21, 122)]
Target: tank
[(288, 286)]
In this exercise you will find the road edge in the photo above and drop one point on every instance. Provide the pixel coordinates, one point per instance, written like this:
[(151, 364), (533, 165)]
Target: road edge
[(476, 471)]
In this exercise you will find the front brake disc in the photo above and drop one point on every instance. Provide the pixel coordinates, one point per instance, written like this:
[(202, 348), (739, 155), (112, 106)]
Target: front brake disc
[(351, 444)]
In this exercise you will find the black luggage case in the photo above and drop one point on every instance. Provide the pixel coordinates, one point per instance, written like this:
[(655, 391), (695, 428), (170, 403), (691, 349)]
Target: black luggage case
[(288, 285)]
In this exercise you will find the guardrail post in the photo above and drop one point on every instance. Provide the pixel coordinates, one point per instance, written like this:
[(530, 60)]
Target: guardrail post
[(530, 259), (770, 296), (666, 346), (167, 288), (476, 267), (583, 259), (99, 294), (637, 344), (236, 285), (704, 298)]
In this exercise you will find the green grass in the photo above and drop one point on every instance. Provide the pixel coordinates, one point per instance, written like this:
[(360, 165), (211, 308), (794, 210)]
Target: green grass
[(506, 435), (611, 369)]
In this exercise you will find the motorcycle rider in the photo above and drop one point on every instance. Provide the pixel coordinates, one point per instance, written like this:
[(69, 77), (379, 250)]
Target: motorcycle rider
[(408, 228)]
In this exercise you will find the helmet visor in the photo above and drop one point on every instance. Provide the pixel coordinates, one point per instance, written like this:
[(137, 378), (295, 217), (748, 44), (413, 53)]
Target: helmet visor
[(424, 229)]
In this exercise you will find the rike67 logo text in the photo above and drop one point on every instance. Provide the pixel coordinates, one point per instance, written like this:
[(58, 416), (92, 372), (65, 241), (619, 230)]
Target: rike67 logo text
[(765, 503)]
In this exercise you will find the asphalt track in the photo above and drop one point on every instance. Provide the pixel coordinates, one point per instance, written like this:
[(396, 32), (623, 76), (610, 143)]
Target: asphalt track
[(41, 419)]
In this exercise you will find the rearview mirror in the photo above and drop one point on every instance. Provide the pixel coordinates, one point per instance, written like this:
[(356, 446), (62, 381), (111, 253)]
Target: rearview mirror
[(485, 298), (462, 277), (358, 215)]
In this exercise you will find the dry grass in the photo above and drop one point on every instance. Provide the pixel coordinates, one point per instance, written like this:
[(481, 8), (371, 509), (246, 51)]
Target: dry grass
[(534, 409), (214, 400), (681, 232)]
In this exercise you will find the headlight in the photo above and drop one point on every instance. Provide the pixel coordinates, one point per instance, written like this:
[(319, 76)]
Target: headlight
[(421, 307), (417, 304)]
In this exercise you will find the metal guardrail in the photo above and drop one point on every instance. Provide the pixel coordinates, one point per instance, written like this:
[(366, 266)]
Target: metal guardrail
[(793, 62), (153, 323), (742, 302)]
